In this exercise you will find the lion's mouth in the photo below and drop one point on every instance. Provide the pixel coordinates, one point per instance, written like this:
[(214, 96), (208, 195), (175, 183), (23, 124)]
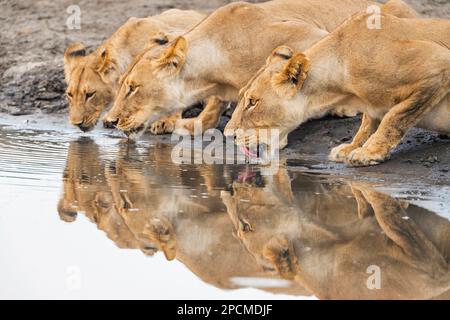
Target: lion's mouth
[(253, 178), (248, 145), (256, 151), (85, 128), (109, 124), (247, 152), (245, 176)]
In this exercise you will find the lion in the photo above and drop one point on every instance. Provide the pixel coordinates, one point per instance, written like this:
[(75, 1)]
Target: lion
[(218, 57), (132, 199), (368, 246), (398, 76), (85, 190), (194, 230), (92, 78)]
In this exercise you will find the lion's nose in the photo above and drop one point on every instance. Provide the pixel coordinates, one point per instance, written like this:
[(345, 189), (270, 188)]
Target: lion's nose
[(110, 124), (82, 127)]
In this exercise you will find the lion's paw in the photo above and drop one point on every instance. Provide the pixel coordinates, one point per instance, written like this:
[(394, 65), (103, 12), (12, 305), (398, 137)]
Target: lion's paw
[(162, 126), (361, 157), (340, 153), (190, 126)]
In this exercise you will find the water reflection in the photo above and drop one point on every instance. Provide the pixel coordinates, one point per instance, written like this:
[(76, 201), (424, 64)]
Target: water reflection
[(143, 201), (290, 233), (335, 239)]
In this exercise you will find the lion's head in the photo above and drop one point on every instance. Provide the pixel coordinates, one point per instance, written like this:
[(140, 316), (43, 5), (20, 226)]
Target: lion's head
[(260, 209), (92, 79), (149, 89), (266, 102), (90, 84)]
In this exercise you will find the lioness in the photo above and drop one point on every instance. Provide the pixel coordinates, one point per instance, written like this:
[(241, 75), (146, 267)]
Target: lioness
[(92, 79), (399, 76), (219, 56), (85, 190), (384, 250), (132, 199), (194, 230)]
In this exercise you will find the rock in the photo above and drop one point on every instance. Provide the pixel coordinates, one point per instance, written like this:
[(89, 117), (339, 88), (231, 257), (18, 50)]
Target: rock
[(49, 96), (429, 161)]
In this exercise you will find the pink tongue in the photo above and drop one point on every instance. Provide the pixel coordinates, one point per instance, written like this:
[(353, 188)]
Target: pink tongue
[(244, 176), (247, 152)]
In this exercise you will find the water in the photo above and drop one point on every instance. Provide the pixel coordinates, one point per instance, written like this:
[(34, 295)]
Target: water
[(95, 217)]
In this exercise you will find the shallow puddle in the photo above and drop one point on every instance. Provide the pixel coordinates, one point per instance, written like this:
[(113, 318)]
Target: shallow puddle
[(95, 217)]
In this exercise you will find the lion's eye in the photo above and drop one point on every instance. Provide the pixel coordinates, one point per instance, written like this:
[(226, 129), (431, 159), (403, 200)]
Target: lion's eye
[(131, 89), (252, 102), (90, 95)]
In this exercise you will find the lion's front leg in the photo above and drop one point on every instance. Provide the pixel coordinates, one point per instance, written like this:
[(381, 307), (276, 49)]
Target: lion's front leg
[(207, 119), (166, 124), (364, 207), (367, 128)]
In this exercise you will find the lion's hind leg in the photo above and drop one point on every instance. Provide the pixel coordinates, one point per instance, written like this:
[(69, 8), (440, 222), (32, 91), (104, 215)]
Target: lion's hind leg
[(396, 123)]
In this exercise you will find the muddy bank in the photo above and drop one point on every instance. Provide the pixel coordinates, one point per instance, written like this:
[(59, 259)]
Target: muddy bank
[(422, 157)]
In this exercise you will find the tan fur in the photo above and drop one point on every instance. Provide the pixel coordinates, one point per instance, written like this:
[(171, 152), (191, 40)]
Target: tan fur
[(84, 190), (399, 76), (317, 238), (125, 201), (220, 55), (98, 73)]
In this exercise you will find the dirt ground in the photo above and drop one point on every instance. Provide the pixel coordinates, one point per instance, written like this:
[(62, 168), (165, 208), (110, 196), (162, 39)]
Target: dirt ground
[(33, 36)]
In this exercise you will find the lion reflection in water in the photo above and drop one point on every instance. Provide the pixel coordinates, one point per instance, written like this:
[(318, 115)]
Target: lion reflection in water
[(84, 190), (145, 202), (329, 242), (320, 235)]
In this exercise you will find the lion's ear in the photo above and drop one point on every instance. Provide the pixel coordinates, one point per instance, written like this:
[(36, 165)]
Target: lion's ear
[(173, 58), (102, 60), (280, 54), (72, 56), (289, 80)]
